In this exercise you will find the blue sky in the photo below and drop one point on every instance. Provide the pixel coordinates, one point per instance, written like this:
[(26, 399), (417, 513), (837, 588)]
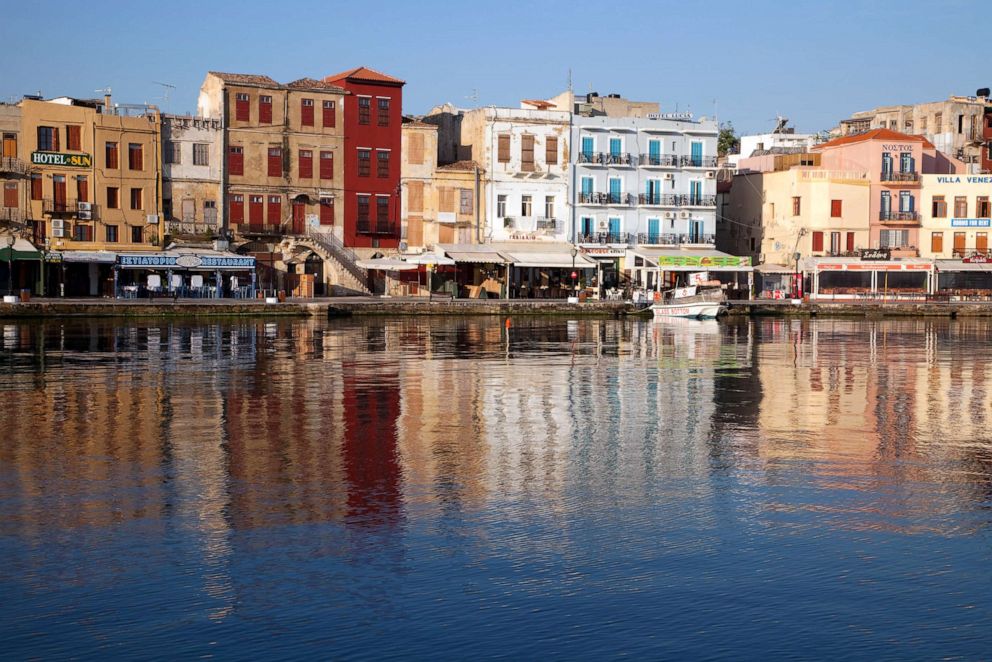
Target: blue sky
[(815, 62)]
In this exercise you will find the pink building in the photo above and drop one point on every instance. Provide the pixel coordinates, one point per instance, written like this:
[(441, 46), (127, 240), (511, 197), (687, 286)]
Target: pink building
[(894, 162)]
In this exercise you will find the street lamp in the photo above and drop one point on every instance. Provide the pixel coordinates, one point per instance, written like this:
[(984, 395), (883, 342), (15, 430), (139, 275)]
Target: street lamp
[(575, 251), (10, 264)]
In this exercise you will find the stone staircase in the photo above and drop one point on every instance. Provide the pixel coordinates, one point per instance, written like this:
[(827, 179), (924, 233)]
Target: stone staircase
[(351, 278)]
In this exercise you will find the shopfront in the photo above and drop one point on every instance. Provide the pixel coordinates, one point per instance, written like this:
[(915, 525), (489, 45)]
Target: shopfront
[(194, 273), (659, 269), (609, 278), (969, 279), (858, 277)]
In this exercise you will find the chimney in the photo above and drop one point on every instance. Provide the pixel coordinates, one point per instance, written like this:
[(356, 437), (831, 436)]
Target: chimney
[(107, 108)]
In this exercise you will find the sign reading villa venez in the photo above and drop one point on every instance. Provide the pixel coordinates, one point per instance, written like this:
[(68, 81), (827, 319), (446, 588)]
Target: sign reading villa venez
[(703, 261), (62, 160), (876, 254)]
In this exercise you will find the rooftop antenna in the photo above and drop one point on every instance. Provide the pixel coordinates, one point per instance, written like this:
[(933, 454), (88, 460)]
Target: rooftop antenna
[(570, 79), (166, 90)]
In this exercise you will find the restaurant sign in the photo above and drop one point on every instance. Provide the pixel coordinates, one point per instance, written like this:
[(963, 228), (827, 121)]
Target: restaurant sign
[(703, 261), (970, 222), (980, 258), (876, 254), (186, 261), (62, 160)]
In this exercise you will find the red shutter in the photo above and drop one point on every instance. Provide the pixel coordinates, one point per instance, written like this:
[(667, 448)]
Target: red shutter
[(835, 208), (274, 216), (306, 164), (265, 109), (329, 119), (82, 189), (36, 187), (235, 160), (237, 209), (241, 110), (850, 242), (327, 165), (255, 210), (817, 241), (275, 162), (73, 138), (306, 112), (327, 211)]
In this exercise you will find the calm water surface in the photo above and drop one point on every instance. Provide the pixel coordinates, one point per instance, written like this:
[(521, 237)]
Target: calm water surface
[(448, 488)]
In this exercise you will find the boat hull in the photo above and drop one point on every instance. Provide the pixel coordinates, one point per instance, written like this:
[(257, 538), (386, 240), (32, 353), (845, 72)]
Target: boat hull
[(698, 310)]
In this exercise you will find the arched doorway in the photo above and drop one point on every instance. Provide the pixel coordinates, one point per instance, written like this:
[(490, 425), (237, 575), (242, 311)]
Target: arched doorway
[(314, 266)]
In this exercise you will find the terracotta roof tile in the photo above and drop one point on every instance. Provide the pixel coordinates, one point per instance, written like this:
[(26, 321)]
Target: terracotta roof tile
[(245, 79), (538, 103), (314, 84), (874, 134), (363, 73), (460, 165)]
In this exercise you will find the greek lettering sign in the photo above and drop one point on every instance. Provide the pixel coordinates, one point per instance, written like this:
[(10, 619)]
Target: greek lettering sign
[(977, 259), (703, 261), (876, 254), (970, 222), (185, 261), (62, 160)]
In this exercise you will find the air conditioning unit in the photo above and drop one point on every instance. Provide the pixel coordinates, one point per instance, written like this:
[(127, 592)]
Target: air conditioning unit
[(58, 227), (84, 211), (684, 214), (669, 175), (669, 214), (603, 225), (151, 219), (711, 174)]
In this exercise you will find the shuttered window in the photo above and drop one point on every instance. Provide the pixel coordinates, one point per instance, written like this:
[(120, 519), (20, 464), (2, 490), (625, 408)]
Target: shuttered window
[(382, 163), (235, 160), (465, 201), (363, 214), (364, 162), (850, 242), (306, 112), (255, 209), (939, 207), (527, 153), (110, 156), (275, 162), (329, 118), (364, 110), (237, 209), (241, 110), (135, 156), (137, 199), (382, 112), (36, 186), (960, 206), (382, 213), (73, 138), (82, 188), (327, 165), (265, 109), (306, 164), (504, 149), (446, 199), (937, 242), (415, 197), (415, 149), (327, 211), (274, 215), (835, 209), (817, 241), (551, 151), (48, 139), (10, 194)]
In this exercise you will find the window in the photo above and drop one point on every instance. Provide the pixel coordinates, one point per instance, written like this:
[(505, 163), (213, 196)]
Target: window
[(82, 232), (527, 153), (364, 162), (363, 213), (364, 110), (382, 163), (306, 112), (981, 242), (923, 124), (939, 207), (938, 123), (503, 150), (796, 205), (265, 109), (82, 188), (329, 118), (241, 111), (210, 212), (551, 150), (382, 213), (73, 138), (327, 165), (960, 206), (835, 243), (171, 152), (237, 210), (201, 154), (275, 162), (327, 211), (110, 156), (235, 160), (465, 201), (982, 207), (936, 242), (525, 205), (501, 206), (415, 197), (446, 199), (113, 197), (135, 156), (415, 149), (906, 162), (111, 234), (136, 199), (274, 210), (10, 194), (35, 186), (850, 242), (382, 111), (48, 139), (893, 239), (817, 241), (255, 209), (10, 145), (835, 209), (137, 236), (549, 206), (306, 164), (960, 239)]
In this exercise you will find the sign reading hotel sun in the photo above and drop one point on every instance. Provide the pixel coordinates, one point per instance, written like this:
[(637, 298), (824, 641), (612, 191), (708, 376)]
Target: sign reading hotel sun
[(62, 160)]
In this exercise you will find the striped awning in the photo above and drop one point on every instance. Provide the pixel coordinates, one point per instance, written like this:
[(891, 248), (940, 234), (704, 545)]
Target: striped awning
[(477, 257)]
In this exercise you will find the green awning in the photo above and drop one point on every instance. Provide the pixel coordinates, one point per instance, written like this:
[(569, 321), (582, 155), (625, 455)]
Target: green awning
[(21, 250)]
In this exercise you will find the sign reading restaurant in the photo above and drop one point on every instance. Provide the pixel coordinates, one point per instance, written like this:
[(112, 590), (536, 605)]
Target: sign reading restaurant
[(703, 261), (186, 261), (62, 160)]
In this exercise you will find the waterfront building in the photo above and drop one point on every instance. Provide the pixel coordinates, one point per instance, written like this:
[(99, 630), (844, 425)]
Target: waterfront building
[(192, 159), (94, 186), (783, 140), (955, 215), (960, 126), (18, 268)]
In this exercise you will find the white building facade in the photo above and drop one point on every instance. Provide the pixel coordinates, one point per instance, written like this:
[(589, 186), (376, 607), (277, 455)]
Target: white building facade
[(643, 181), (763, 142)]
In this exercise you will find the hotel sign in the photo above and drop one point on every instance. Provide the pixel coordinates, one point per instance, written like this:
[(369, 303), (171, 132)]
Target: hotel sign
[(970, 222), (967, 179), (703, 261), (61, 160)]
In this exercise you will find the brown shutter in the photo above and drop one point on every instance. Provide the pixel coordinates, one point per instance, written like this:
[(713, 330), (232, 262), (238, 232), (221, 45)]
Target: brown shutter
[(415, 197), (817, 241), (504, 149), (850, 242), (10, 194), (446, 199), (526, 152), (982, 242), (937, 242), (416, 148), (551, 151)]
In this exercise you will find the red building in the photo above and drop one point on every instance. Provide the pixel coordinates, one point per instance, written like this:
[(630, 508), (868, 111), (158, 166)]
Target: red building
[(372, 139)]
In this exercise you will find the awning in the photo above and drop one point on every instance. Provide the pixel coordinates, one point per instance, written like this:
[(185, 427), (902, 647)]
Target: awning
[(430, 258), (551, 260), (480, 257), (675, 259), (21, 250), (774, 269), (100, 257), (386, 264), (958, 265)]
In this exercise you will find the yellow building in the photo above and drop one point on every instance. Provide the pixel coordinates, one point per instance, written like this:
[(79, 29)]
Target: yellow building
[(955, 215)]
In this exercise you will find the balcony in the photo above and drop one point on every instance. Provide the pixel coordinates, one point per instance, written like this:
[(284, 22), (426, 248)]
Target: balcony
[(12, 214), (10, 165), (676, 239), (545, 223), (84, 211), (697, 161), (900, 177), (676, 200), (615, 199), (603, 238), (607, 159), (367, 226), (659, 160), (899, 217)]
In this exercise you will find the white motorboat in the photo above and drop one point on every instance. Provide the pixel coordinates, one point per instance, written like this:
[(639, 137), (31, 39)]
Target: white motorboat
[(688, 302)]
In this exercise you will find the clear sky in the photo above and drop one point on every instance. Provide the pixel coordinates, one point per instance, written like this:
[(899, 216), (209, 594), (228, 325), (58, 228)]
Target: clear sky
[(812, 61)]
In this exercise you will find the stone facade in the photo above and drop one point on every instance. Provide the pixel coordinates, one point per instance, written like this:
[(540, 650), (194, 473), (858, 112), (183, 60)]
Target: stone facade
[(193, 155)]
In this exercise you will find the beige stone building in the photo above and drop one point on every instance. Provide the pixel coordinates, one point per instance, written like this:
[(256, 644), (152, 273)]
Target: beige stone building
[(192, 159)]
